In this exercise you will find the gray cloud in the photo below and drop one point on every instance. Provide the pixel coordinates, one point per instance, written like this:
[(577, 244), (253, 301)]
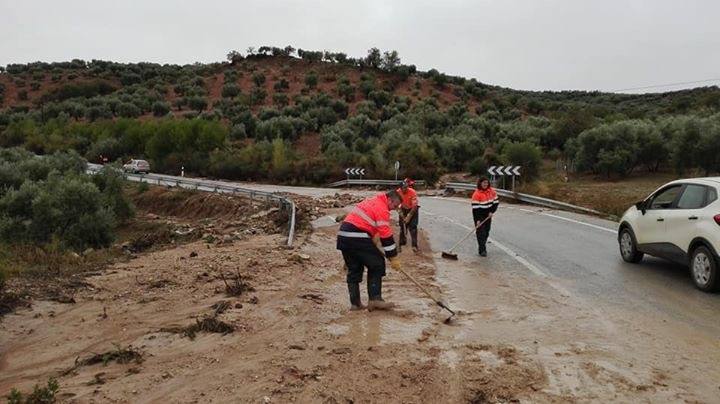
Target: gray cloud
[(524, 44)]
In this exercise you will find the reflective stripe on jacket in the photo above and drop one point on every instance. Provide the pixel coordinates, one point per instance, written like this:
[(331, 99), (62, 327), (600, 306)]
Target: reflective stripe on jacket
[(484, 202), (368, 219)]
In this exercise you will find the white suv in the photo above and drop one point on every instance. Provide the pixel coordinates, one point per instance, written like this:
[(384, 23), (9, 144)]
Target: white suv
[(680, 222), (137, 166)]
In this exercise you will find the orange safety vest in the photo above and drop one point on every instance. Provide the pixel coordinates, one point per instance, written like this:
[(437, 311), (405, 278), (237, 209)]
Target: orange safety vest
[(369, 218), (484, 201), (409, 198)]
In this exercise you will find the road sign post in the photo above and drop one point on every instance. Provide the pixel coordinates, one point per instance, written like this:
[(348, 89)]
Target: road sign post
[(354, 171), (503, 171), (397, 168)]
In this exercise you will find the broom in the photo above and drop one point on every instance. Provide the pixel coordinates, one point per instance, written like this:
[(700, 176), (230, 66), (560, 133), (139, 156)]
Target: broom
[(452, 256)]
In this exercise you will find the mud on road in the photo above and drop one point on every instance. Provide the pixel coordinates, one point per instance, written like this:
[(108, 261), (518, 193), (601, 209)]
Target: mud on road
[(243, 319)]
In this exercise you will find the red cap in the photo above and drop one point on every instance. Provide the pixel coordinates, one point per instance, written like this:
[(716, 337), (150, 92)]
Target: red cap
[(409, 182)]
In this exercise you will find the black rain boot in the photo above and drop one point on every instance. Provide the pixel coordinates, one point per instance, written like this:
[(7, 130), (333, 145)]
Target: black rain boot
[(414, 238), (355, 303), (375, 295)]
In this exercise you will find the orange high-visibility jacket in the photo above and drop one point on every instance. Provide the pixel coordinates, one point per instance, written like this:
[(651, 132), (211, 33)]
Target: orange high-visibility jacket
[(369, 218), (484, 202), (409, 198)]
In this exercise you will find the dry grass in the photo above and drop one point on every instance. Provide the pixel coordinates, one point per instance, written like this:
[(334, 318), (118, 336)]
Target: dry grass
[(611, 196), (206, 324), (118, 355), (237, 285)]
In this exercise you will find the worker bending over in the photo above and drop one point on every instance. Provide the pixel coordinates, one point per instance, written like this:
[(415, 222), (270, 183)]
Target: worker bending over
[(409, 214), (369, 220)]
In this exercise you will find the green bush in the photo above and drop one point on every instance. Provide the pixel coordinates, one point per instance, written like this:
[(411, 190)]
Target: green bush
[(280, 99), (56, 201), (282, 85), (197, 103), (39, 395), (160, 108), (259, 79), (80, 90), (230, 90), (524, 154), (128, 110), (311, 79), (258, 96)]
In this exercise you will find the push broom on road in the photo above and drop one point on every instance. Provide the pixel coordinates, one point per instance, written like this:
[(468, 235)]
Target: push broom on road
[(376, 241), (452, 256)]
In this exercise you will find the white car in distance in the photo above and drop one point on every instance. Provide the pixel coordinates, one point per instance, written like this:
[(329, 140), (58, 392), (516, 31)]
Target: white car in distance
[(680, 222), (137, 166)]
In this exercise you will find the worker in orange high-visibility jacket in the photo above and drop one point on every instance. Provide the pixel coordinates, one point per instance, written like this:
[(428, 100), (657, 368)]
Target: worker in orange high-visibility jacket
[(484, 204), (409, 213), (368, 220)]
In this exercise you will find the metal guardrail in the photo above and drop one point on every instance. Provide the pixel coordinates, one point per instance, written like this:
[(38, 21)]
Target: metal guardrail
[(371, 182), (208, 186), (531, 199)]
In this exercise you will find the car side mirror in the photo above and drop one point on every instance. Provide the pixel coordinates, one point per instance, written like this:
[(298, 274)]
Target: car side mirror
[(641, 206)]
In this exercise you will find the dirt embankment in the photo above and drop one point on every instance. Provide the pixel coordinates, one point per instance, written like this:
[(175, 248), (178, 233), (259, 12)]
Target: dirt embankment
[(245, 319), (228, 314)]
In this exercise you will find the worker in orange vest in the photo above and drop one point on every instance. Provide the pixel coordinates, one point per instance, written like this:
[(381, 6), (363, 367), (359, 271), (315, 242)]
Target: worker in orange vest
[(369, 220), (484, 204), (408, 213)]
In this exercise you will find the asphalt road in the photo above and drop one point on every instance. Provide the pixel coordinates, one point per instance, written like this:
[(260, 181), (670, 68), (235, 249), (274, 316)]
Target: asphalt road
[(579, 255)]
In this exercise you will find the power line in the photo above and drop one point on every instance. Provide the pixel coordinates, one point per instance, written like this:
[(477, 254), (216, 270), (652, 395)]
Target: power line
[(665, 85)]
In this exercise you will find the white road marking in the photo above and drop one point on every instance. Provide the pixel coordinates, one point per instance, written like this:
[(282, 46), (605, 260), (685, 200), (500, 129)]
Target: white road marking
[(531, 267), (594, 226)]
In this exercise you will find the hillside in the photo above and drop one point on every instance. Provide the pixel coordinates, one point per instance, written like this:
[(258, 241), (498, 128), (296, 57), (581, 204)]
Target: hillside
[(302, 116)]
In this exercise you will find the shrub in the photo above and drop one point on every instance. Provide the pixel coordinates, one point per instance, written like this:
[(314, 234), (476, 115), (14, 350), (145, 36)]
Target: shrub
[(281, 99), (524, 154), (258, 78), (58, 202), (311, 79), (128, 110), (197, 103), (258, 96), (160, 108), (230, 90), (39, 395), (282, 85), (80, 90)]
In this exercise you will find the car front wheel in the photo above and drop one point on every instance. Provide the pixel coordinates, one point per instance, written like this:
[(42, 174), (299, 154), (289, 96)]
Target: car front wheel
[(628, 248), (703, 267)]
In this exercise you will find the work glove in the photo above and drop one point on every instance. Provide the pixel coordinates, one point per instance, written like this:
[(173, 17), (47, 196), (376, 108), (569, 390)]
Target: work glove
[(395, 263)]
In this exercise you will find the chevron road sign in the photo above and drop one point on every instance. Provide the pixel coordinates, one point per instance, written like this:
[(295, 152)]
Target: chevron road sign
[(504, 170), (355, 171)]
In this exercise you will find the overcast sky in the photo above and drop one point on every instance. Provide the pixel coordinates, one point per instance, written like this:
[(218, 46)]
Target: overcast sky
[(525, 44)]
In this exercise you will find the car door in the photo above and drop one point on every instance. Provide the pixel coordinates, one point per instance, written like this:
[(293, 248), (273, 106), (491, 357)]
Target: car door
[(682, 222), (651, 225)]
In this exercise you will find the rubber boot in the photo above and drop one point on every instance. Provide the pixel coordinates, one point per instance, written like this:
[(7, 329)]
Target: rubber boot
[(376, 301), (354, 290)]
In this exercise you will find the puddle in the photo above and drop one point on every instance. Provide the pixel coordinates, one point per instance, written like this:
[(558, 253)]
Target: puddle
[(337, 329), (377, 329), (324, 221)]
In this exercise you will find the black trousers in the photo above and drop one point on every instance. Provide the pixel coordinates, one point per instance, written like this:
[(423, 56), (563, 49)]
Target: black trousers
[(482, 235), (412, 226), (358, 260)]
